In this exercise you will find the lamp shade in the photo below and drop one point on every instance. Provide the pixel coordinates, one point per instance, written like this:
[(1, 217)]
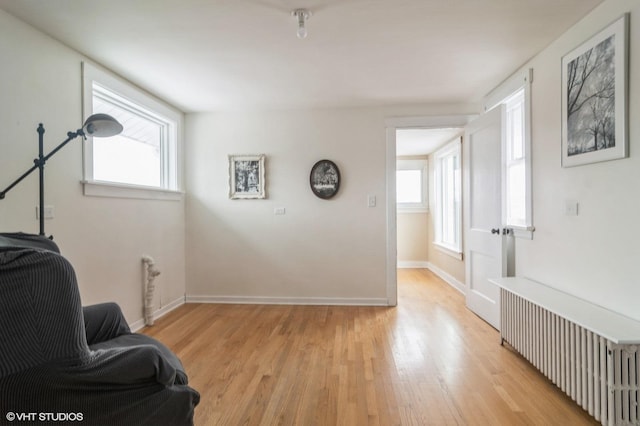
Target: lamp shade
[(102, 126)]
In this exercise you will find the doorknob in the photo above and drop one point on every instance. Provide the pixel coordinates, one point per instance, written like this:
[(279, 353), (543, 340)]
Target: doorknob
[(495, 231)]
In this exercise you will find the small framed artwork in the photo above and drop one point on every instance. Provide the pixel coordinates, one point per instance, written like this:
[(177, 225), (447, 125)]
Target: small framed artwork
[(246, 176), (325, 179), (594, 97)]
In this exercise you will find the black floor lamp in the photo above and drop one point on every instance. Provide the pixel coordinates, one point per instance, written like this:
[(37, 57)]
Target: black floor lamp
[(97, 125)]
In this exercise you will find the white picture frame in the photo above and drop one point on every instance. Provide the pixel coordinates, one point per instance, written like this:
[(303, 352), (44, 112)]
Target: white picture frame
[(594, 97), (247, 177)]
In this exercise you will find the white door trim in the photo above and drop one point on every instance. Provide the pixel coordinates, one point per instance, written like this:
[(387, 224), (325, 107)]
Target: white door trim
[(392, 124)]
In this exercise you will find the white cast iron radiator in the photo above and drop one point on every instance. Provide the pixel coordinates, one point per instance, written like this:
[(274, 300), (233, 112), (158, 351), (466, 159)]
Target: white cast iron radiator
[(588, 353)]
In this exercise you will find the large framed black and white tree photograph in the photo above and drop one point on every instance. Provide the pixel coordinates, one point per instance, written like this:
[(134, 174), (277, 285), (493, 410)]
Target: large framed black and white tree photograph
[(594, 98)]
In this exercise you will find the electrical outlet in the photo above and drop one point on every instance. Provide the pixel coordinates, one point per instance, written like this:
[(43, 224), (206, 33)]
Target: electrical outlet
[(48, 212)]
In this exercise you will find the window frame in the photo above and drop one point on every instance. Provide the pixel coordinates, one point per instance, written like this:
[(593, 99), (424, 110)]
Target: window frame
[(453, 148), (135, 98), (521, 81), (422, 165)]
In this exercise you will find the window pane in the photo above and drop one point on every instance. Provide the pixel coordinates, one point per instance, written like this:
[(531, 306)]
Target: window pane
[(448, 232), (409, 186), (516, 194), (515, 168), (450, 200), (125, 160), (133, 157), (515, 126)]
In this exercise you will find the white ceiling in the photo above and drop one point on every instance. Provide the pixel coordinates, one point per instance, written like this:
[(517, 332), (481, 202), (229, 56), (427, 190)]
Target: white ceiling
[(208, 55), (412, 142)]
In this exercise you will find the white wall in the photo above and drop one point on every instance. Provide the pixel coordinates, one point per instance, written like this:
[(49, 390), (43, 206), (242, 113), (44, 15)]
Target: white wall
[(320, 250), (593, 255), (104, 238), (413, 239)]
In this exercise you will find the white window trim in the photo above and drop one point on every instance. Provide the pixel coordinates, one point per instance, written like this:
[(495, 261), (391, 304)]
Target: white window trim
[(122, 190), (455, 251), (521, 80), (415, 164), (91, 74)]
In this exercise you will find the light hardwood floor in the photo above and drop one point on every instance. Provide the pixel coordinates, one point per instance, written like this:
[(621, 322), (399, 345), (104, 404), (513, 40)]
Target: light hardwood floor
[(428, 361)]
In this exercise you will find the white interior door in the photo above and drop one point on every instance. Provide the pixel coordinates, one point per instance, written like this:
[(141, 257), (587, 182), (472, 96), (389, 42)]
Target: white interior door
[(485, 247)]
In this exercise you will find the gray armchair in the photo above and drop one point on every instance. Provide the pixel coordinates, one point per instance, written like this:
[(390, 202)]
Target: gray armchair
[(60, 359)]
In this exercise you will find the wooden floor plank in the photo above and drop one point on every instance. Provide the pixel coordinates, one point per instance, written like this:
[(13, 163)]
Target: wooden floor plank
[(428, 361)]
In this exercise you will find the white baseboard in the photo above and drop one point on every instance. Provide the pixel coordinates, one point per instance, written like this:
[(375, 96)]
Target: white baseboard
[(319, 301), (448, 278), (138, 325), (413, 264)]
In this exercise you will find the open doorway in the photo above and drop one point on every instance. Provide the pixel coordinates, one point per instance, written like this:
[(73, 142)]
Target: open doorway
[(414, 185), (413, 141)]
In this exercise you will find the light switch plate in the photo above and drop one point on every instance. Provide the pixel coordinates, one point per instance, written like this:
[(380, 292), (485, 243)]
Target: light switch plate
[(48, 212)]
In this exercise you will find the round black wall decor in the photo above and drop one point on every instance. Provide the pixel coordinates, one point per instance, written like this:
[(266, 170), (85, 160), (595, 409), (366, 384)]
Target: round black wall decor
[(325, 179)]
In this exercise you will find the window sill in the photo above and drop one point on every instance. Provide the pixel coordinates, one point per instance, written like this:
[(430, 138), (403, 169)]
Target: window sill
[(448, 251), (118, 190)]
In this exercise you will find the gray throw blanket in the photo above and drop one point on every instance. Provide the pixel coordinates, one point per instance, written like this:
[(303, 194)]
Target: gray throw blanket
[(51, 372)]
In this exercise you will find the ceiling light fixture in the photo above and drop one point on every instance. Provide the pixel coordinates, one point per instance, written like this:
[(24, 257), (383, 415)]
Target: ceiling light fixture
[(301, 15)]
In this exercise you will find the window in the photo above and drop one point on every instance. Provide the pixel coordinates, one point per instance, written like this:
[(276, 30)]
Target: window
[(448, 199), (515, 166), (411, 186), (143, 160), (515, 94)]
